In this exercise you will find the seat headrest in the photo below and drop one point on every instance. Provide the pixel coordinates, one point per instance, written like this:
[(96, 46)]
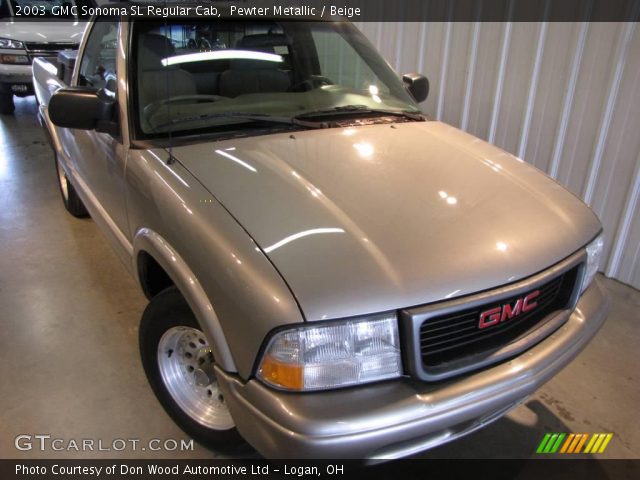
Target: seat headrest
[(263, 42), (152, 49)]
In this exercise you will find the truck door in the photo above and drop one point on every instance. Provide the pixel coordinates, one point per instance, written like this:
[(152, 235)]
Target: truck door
[(100, 158)]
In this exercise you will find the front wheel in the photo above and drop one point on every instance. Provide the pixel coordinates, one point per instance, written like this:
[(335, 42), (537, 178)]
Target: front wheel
[(179, 365)]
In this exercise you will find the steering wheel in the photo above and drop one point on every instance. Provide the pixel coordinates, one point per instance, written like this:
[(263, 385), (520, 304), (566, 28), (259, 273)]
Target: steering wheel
[(152, 108), (310, 83)]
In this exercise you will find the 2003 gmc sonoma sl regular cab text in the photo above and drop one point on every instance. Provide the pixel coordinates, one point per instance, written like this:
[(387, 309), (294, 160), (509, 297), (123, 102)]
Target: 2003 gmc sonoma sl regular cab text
[(70, 10), (330, 272)]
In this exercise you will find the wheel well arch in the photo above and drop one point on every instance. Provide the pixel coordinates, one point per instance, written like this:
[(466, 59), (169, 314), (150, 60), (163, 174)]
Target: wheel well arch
[(158, 266), (152, 277)]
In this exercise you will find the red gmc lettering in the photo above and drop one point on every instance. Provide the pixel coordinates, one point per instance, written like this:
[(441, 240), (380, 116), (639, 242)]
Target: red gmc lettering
[(489, 318), (492, 317), (508, 313), (528, 305)]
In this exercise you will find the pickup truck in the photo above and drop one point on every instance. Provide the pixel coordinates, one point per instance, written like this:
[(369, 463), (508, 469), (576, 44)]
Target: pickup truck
[(330, 273), (22, 42)]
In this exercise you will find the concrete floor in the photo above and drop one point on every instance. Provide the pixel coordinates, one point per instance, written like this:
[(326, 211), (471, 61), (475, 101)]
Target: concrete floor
[(69, 314)]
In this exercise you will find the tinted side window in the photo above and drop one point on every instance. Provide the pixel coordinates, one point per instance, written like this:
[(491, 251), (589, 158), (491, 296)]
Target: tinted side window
[(98, 64)]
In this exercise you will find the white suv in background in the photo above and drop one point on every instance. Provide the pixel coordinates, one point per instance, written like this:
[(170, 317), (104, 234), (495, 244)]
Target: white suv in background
[(22, 41)]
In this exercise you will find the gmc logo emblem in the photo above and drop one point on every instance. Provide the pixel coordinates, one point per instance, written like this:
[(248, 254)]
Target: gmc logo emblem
[(492, 317)]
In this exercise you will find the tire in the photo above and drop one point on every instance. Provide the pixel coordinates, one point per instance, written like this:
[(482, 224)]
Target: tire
[(173, 351), (7, 107), (70, 198)]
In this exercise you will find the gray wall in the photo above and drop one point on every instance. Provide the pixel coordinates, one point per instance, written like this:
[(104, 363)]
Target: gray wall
[(565, 97)]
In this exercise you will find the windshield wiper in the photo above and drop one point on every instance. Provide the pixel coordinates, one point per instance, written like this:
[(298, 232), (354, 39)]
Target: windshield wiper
[(360, 109), (254, 117), (299, 120)]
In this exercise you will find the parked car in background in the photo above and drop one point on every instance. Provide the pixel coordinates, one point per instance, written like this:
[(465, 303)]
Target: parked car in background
[(21, 41), (330, 273)]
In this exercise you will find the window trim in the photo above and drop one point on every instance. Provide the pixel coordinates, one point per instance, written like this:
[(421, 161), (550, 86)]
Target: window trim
[(81, 52), (76, 69)]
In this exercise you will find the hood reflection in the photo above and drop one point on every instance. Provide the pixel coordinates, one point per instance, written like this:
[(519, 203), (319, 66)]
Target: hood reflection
[(296, 236)]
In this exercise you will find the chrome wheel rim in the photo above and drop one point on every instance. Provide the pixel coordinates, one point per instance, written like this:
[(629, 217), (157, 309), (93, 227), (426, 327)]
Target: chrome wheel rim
[(62, 180), (186, 365)]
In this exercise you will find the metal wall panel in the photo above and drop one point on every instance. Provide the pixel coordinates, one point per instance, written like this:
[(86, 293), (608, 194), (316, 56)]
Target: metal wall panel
[(564, 97)]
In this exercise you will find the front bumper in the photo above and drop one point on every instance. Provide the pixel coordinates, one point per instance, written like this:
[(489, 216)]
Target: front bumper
[(399, 418), (19, 76)]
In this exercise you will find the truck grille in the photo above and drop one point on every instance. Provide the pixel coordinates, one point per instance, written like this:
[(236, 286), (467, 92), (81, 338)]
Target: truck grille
[(448, 338), (50, 47), (42, 49)]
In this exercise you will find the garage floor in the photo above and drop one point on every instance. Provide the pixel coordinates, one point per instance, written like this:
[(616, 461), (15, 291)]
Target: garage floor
[(69, 314)]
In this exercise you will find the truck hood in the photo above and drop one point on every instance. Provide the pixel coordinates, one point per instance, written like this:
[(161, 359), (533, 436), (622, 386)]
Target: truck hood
[(43, 32), (373, 218)]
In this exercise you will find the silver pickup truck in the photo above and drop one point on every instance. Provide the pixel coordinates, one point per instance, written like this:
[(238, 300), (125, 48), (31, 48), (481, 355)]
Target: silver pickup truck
[(330, 272)]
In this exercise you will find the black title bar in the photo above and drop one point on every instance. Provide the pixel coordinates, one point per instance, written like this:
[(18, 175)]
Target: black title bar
[(355, 10), (426, 469)]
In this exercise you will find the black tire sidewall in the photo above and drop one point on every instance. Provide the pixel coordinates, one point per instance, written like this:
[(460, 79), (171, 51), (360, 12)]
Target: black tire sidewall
[(7, 107), (72, 203), (166, 310)]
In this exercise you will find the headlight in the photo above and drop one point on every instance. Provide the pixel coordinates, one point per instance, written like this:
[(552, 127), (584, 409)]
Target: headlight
[(8, 43), (339, 354), (594, 252)]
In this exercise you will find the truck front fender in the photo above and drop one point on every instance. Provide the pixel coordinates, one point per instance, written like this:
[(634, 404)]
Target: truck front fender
[(146, 240)]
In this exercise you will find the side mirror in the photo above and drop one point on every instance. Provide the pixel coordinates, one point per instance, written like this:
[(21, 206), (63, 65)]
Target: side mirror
[(84, 108), (417, 85)]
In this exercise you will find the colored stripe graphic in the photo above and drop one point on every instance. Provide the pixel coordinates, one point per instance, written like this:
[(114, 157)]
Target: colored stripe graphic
[(600, 442), (591, 443), (567, 443), (581, 443), (547, 448), (550, 443), (574, 443), (605, 442), (543, 443), (555, 447), (596, 447)]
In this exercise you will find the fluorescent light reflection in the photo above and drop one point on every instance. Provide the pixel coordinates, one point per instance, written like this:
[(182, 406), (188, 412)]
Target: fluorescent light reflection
[(450, 199), (365, 149), (305, 233), (222, 55), (233, 158)]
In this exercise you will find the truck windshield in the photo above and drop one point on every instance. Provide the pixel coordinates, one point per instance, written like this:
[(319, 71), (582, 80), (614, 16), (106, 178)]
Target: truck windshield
[(190, 74)]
